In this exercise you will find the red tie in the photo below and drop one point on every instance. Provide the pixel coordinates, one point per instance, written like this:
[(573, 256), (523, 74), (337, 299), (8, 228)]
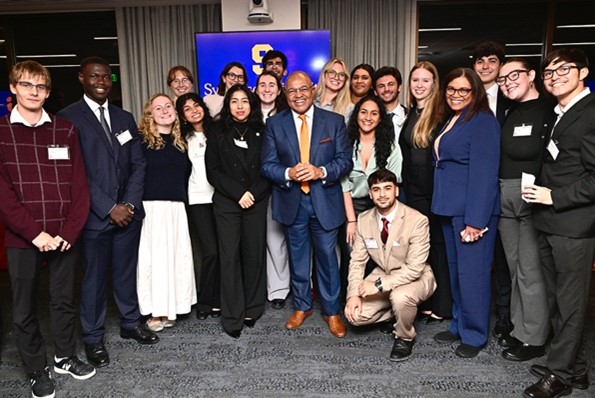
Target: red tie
[(384, 233)]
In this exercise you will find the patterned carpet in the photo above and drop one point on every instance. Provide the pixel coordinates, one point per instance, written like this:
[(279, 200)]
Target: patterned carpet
[(196, 359)]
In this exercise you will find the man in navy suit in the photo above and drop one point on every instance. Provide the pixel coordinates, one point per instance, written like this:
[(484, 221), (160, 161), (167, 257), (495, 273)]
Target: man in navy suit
[(116, 171), (305, 153)]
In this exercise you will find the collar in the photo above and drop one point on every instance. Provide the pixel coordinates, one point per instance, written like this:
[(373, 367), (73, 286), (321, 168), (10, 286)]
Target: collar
[(16, 117), (390, 216), (561, 111), (94, 105), (309, 114), (492, 91)]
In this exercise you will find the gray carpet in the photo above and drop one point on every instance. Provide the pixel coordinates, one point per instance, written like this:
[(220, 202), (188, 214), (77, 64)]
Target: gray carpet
[(196, 359)]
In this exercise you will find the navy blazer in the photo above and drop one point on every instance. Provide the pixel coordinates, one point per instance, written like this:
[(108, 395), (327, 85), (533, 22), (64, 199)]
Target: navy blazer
[(329, 148), (466, 176), (116, 172)]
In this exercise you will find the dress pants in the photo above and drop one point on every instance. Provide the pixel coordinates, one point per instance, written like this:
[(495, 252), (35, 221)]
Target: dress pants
[(400, 303), (567, 266), (278, 275), (470, 267), (305, 229), (203, 220), (23, 267), (242, 243), (118, 247)]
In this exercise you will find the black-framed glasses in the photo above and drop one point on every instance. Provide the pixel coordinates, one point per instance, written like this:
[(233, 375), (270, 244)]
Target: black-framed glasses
[(41, 88), (512, 76), (461, 92), (234, 77), (293, 91), (560, 71), (333, 74)]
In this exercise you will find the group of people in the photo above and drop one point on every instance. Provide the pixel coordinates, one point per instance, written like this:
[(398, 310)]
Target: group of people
[(272, 183)]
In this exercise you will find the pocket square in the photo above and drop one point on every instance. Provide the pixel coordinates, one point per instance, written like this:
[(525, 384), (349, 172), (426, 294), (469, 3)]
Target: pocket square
[(324, 141)]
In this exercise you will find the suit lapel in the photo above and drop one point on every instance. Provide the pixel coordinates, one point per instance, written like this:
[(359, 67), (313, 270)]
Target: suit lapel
[(291, 135), (234, 149), (318, 124), (395, 228), (571, 116), (375, 228), (115, 130)]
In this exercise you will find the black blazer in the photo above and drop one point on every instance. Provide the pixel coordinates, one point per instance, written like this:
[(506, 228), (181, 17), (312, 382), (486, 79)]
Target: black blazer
[(571, 177), (503, 105)]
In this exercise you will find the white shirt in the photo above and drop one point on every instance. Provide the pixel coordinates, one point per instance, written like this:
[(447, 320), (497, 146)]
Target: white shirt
[(492, 94), (390, 217), (95, 108), (398, 117), (199, 189), (16, 117)]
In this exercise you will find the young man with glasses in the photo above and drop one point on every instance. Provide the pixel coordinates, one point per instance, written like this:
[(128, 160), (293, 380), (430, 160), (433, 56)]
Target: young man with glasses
[(564, 205), (44, 203), (276, 62)]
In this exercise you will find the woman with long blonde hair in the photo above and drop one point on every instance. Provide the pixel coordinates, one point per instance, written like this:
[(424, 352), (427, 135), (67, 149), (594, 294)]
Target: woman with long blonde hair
[(332, 91)]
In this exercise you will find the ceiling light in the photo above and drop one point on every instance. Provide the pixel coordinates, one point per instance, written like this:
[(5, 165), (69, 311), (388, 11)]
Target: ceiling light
[(106, 38), (576, 26), (439, 29), (522, 44), (48, 56), (584, 43), (522, 55), (422, 46)]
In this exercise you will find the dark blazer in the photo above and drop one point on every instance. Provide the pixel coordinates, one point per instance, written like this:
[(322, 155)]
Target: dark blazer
[(571, 177), (466, 176), (116, 172), (232, 170), (329, 148), (503, 105)]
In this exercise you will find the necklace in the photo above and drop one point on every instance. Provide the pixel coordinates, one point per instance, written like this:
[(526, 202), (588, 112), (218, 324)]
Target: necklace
[(418, 111), (241, 135)]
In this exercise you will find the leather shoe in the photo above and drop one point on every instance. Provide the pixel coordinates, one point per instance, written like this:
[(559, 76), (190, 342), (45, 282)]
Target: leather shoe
[(202, 315), (250, 322), (401, 350), (278, 304), (507, 341), (297, 319), (386, 327), (446, 337), (335, 325), (215, 313), (550, 386), (97, 354), (503, 326), (523, 352), (579, 380), (467, 351), (140, 334)]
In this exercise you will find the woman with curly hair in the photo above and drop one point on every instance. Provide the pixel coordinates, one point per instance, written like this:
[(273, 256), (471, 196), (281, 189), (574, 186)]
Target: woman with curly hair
[(332, 91), (165, 272)]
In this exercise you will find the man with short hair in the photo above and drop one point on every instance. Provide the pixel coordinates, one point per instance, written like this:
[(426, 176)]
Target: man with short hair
[(397, 238), (276, 62), (116, 170), (306, 170), (563, 216), (44, 203), (387, 85)]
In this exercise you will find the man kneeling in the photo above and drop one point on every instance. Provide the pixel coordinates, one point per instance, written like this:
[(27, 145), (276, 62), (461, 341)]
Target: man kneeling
[(397, 238)]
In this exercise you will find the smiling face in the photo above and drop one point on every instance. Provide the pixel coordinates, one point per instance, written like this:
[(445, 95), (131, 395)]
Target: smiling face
[(361, 82), (456, 100), (387, 89), (193, 113), (519, 89), (487, 69), (368, 117), (384, 196), (181, 84), (30, 99), (334, 78), (234, 76), (97, 82), (163, 113), (239, 106), (565, 87), (421, 84), (300, 92), (267, 89)]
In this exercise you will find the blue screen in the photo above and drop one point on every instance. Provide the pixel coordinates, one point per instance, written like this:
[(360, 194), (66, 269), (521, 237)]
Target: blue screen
[(306, 50)]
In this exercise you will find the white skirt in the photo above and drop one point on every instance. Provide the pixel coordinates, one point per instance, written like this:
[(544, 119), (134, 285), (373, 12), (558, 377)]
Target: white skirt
[(165, 273)]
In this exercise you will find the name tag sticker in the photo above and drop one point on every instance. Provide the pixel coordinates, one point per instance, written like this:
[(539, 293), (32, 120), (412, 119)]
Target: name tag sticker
[(522, 131), (241, 144), (371, 244), (124, 137), (396, 244), (553, 149), (58, 153)]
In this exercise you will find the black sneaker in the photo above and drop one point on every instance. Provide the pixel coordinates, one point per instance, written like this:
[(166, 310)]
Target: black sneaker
[(75, 367), (42, 385)]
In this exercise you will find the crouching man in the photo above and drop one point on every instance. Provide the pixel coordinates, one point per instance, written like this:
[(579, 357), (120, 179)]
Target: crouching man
[(397, 238)]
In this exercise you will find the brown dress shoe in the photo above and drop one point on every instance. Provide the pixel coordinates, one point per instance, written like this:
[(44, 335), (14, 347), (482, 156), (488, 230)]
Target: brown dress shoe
[(297, 318), (335, 325)]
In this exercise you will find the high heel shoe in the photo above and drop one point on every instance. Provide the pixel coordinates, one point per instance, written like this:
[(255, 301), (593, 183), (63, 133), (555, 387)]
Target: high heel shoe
[(250, 322)]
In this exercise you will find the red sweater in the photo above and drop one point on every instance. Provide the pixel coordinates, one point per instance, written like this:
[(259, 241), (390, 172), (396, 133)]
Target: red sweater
[(38, 194)]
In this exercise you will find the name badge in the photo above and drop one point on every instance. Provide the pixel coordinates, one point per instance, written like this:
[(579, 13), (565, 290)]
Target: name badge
[(553, 149), (396, 244), (56, 152), (123, 137), (371, 244), (241, 144), (522, 131)]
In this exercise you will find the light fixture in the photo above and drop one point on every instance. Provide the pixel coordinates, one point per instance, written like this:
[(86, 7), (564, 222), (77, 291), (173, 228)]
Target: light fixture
[(522, 44), (576, 26), (522, 55), (48, 56), (439, 29), (584, 43), (105, 38), (421, 47)]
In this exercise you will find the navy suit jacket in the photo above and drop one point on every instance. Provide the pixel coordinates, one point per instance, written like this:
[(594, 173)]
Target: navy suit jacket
[(116, 172), (329, 148), (466, 176)]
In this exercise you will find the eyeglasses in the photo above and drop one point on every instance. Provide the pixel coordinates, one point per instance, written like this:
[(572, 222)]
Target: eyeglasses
[(333, 74), (234, 77), (560, 71), (462, 92), (41, 88), (512, 76), (183, 81), (293, 91)]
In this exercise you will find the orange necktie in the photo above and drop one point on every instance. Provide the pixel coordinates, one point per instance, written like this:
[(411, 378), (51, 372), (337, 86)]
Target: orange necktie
[(305, 149)]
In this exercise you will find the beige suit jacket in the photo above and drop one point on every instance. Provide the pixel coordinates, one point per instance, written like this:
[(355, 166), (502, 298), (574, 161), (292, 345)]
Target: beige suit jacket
[(404, 256)]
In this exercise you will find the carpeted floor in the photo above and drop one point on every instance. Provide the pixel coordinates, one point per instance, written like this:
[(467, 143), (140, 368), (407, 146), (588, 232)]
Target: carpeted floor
[(196, 359)]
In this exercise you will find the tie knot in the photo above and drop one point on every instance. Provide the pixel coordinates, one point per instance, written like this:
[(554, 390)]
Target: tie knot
[(302, 118)]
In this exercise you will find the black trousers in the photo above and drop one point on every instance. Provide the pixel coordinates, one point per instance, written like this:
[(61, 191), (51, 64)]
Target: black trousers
[(24, 266), (202, 218), (502, 279)]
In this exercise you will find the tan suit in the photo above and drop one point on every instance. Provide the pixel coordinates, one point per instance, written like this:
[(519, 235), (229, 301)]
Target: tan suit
[(407, 279)]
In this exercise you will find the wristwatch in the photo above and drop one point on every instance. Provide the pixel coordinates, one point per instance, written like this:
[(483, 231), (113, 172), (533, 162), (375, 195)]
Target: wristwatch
[(378, 284), (129, 205)]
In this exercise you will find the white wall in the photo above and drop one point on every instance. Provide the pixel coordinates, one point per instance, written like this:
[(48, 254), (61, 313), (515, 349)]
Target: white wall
[(286, 15)]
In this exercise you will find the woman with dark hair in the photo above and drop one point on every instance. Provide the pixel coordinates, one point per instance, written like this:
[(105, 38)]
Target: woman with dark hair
[(361, 82), (165, 272), (240, 207), (195, 122), (233, 73), (416, 140), (466, 196), (179, 81)]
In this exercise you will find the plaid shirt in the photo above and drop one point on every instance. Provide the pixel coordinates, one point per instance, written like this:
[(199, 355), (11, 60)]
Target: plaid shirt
[(38, 194)]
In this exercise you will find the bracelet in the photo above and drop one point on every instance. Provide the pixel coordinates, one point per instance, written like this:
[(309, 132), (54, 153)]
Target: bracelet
[(348, 222)]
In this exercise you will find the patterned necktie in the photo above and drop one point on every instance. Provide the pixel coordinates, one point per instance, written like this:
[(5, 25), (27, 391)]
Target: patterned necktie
[(384, 232), (304, 149), (104, 124)]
